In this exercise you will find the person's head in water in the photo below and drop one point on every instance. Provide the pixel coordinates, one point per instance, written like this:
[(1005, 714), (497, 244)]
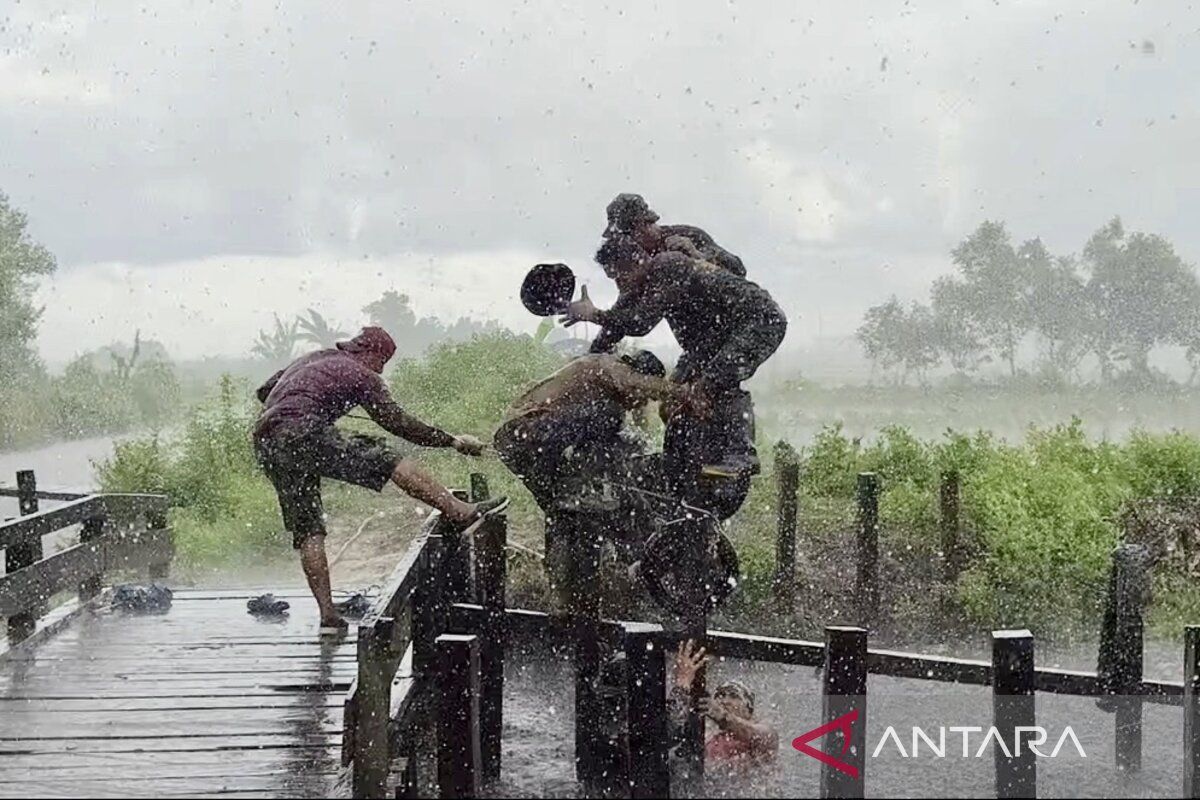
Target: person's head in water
[(630, 215), (374, 347), (624, 261), (736, 698)]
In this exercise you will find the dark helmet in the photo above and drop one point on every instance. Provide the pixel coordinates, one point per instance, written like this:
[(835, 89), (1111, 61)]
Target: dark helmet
[(548, 289), (626, 212)]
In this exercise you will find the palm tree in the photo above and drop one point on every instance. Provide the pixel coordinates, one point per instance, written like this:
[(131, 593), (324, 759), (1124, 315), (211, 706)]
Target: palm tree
[(317, 330), (278, 345)]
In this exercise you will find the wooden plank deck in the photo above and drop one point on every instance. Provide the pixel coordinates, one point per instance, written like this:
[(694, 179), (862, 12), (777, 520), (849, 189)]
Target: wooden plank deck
[(204, 700)]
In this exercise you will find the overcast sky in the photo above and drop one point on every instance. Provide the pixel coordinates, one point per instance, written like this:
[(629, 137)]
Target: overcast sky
[(197, 167)]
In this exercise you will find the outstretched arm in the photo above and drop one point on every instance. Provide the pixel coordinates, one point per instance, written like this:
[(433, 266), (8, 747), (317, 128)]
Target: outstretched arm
[(395, 420), (635, 388)]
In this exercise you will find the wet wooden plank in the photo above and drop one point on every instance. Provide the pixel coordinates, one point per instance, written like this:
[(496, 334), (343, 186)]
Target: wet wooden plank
[(154, 746), (204, 700)]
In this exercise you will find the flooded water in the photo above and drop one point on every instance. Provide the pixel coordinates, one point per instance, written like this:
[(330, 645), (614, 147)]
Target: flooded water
[(62, 466), (539, 725)]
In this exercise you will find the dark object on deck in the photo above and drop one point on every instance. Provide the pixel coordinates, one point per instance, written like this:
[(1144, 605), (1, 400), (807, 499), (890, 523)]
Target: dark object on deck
[(548, 289), (154, 598), (267, 605), (845, 700), (787, 463), (866, 583), (1120, 665), (355, 606), (1013, 682), (1191, 711)]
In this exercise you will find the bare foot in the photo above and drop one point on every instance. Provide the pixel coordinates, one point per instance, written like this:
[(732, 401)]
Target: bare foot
[(334, 626)]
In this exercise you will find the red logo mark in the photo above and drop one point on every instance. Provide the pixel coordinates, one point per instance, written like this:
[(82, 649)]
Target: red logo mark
[(843, 724)]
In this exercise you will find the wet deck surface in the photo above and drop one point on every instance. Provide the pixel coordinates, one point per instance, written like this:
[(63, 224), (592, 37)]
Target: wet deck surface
[(204, 700)]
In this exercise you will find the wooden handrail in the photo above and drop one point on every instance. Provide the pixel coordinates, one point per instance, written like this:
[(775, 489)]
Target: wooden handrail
[(113, 506)]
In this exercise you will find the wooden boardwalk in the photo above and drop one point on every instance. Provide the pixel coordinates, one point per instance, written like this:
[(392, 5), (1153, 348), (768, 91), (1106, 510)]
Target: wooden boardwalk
[(203, 700)]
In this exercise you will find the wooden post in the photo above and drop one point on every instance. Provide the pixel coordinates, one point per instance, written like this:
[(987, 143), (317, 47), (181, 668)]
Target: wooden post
[(844, 707), (372, 754), (91, 530), (459, 561), (1120, 664), (867, 577), (948, 497), (787, 467), (646, 678), (479, 487), (160, 569), (491, 569), (1191, 711), (430, 607), (585, 624), (24, 555), (1013, 708), (459, 760)]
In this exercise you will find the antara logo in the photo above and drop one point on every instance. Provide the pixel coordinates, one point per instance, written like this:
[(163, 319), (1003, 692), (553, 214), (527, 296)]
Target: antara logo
[(1032, 738)]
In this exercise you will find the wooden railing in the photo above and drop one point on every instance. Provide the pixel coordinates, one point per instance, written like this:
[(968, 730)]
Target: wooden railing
[(118, 532), (431, 674), (415, 678)]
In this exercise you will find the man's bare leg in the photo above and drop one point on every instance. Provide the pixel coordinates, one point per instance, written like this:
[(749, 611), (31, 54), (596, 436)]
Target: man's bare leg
[(316, 572), (418, 483)]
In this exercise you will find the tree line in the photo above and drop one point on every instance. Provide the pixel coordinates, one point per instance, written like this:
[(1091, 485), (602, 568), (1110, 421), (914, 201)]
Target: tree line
[(1029, 310), (393, 312)]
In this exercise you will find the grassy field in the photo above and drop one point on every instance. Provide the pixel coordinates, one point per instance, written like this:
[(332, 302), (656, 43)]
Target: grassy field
[(1042, 506)]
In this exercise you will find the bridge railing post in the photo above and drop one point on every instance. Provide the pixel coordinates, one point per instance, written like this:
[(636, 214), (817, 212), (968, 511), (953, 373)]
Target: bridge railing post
[(844, 709), (583, 570), (948, 506), (91, 530), (1191, 711), (867, 576), (459, 757), (1013, 708), (24, 555), (491, 571), (646, 688), (372, 751), (1120, 665), (787, 468)]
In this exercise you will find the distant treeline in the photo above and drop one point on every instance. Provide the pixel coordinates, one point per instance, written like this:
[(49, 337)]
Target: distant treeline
[(1111, 306), (134, 385)]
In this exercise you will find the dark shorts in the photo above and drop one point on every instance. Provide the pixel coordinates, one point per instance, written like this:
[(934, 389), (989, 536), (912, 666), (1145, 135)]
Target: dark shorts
[(554, 452), (296, 463)]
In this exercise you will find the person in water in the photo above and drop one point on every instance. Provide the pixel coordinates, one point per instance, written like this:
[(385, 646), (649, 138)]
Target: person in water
[(741, 740), (297, 445), (567, 433)]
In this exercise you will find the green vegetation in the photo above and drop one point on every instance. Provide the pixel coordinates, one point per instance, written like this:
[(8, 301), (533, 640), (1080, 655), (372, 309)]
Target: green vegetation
[(1040, 516), (1039, 520)]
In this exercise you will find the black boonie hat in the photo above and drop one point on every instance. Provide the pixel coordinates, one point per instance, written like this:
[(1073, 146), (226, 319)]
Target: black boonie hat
[(626, 212), (548, 289)]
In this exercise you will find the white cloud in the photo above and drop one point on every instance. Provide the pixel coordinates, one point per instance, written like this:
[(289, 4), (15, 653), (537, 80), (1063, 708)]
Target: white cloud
[(215, 306)]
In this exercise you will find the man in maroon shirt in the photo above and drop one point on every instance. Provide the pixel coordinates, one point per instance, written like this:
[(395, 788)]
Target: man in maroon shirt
[(297, 445)]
